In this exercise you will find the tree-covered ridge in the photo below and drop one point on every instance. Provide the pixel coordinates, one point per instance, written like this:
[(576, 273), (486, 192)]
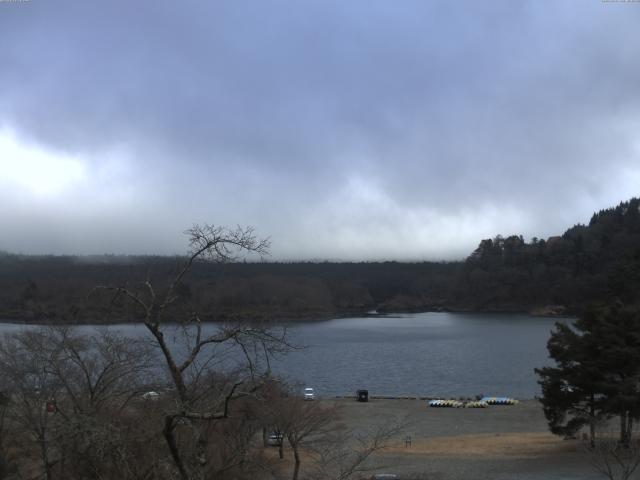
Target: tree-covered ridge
[(561, 274), (587, 263)]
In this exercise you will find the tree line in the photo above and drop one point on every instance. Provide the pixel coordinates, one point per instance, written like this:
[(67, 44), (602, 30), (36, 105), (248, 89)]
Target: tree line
[(558, 275)]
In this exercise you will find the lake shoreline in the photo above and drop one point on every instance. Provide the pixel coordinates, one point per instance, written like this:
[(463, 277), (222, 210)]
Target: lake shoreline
[(303, 318)]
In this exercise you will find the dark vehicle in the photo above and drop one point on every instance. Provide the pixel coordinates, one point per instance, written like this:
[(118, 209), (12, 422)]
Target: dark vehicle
[(362, 395)]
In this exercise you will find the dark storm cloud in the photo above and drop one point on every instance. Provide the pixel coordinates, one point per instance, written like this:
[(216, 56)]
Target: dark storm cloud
[(360, 129)]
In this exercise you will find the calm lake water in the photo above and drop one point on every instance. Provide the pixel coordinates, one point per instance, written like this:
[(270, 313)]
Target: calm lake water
[(432, 354)]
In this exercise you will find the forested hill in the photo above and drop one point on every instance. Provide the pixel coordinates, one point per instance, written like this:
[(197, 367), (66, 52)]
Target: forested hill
[(588, 263), (559, 275)]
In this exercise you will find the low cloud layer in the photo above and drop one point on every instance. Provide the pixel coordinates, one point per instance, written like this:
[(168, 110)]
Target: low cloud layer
[(343, 130)]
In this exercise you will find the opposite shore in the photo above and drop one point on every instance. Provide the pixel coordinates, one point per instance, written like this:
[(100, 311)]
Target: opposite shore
[(550, 311)]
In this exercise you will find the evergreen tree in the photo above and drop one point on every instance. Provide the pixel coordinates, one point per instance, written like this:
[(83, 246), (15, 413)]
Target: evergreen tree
[(570, 391), (597, 372), (617, 329)]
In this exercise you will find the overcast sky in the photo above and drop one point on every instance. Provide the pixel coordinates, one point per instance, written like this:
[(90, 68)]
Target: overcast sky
[(355, 130)]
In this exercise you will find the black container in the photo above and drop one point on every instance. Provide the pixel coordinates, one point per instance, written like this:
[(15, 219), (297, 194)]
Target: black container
[(362, 395)]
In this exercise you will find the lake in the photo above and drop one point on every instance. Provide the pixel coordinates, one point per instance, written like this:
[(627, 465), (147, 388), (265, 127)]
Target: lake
[(426, 354), (432, 354)]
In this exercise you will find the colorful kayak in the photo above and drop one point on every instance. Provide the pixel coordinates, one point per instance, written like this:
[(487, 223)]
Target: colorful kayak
[(446, 403), (476, 404), (499, 400)]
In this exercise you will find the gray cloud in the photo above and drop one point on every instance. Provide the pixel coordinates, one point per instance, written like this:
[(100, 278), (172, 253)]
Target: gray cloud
[(363, 129)]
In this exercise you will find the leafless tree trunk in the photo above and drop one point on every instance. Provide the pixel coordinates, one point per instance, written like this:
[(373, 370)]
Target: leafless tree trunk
[(5, 462), (303, 423), (592, 421), (296, 456), (199, 395)]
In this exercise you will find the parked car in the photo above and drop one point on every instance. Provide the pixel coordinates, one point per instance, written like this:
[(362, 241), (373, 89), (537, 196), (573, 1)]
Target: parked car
[(362, 395), (309, 394), (385, 476), (274, 439), (151, 395)]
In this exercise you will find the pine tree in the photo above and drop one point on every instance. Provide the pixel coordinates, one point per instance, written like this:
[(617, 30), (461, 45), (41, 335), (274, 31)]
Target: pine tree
[(570, 391), (597, 372)]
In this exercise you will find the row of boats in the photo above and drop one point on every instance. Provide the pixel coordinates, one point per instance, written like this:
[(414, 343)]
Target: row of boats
[(481, 403)]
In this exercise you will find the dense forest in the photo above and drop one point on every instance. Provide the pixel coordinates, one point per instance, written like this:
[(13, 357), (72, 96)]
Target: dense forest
[(555, 276)]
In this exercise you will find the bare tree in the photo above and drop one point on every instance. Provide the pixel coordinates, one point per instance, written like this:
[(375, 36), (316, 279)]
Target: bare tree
[(99, 371), (204, 384), (6, 462), (345, 453), (304, 423), (316, 434), (232, 447), (103, 377), (25, 361), (613, 459), (68, 397), (273, 411)]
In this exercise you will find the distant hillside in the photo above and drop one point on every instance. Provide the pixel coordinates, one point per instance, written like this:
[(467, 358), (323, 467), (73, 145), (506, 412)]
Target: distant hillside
[(588, 263), (559, 275)]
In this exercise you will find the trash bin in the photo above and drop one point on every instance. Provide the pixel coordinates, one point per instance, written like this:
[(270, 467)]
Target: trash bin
[(362, 395)]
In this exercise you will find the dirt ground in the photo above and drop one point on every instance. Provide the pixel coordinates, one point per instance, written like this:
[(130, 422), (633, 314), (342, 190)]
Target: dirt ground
[(497, 443)]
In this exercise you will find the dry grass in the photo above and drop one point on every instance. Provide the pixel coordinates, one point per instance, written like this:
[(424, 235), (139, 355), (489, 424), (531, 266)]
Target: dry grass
[(489, 445)]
